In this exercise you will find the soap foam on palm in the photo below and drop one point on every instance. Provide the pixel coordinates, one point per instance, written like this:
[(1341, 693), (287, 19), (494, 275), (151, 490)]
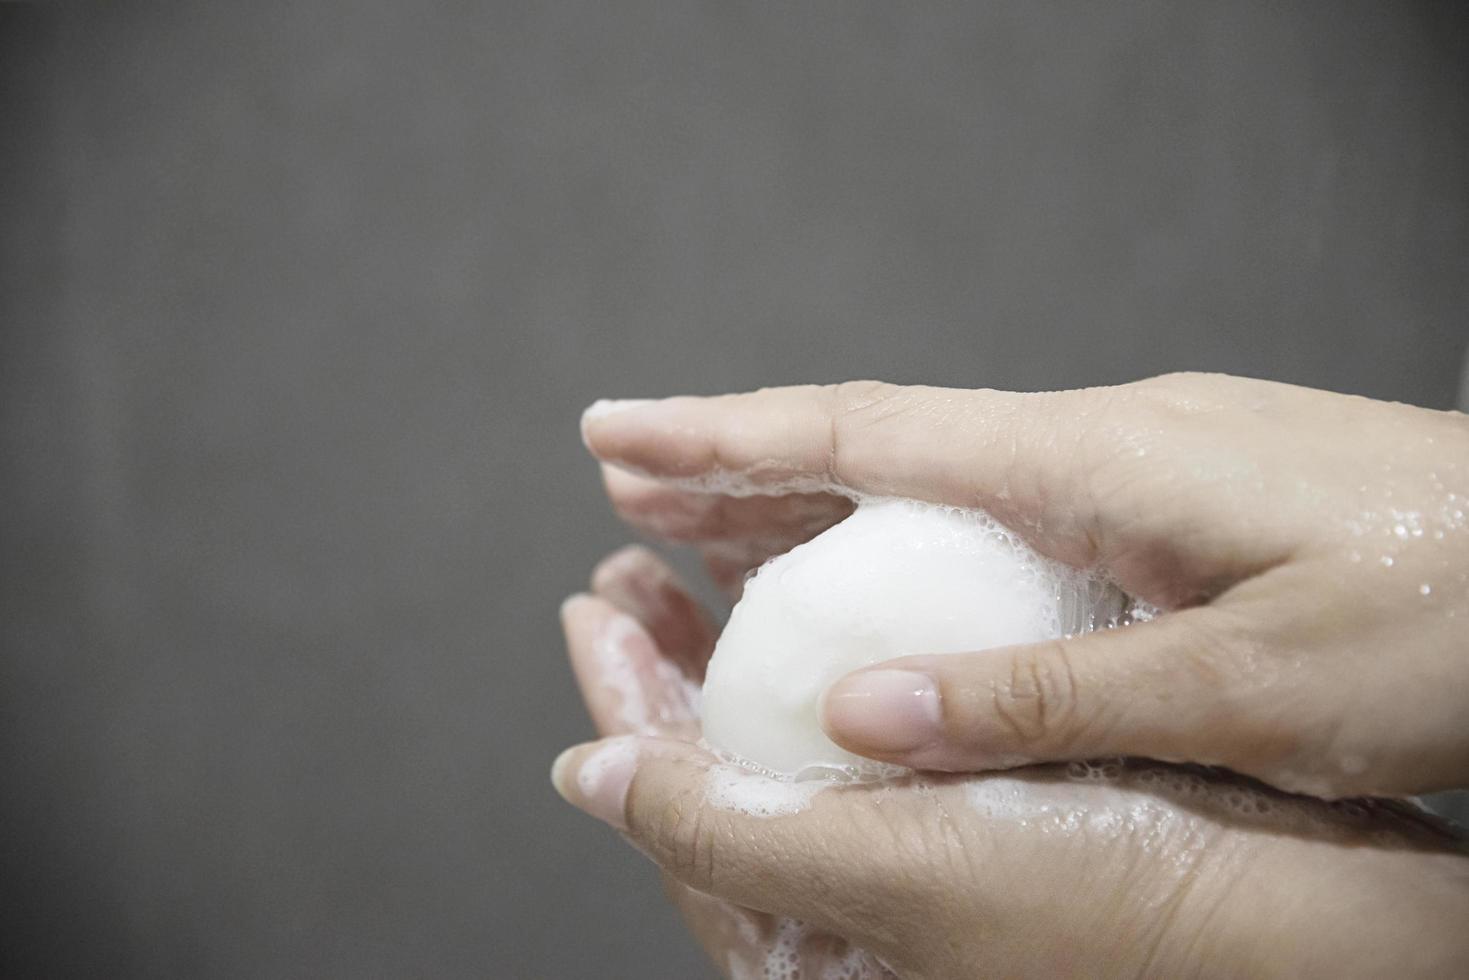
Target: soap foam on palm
[(897, 577)]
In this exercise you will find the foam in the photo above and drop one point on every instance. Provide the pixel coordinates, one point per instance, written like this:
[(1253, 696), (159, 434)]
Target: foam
[(783, 961), (855, 963), (897, 577), (1157, 801), (1102, 809), (739, 790), (796, 952), (614, 751), (751, 482), (618, 670)]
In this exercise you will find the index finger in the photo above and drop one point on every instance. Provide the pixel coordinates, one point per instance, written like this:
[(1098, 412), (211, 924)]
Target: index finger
[(1015, 454)]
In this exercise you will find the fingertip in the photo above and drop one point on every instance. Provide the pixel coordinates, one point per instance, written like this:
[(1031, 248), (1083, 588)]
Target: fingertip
[(624, 563), (623, 487), (572, 605), (559, 768), (883, 713), (594, 417), (595, 777)]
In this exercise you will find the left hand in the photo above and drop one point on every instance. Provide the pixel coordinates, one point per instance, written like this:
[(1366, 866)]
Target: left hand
[(1119, 869), (638, 647)]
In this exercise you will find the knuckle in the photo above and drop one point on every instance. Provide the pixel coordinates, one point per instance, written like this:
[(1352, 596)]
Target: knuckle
[(1261, 696), (1225, 652), (1210, 659), (683, 837), (853, 396), (858, 405), (854, 407), (1234, 685), (1187, 394), (1177, 379), (1176, 383), (1169, 396), (1036, 702), (1137, 454)]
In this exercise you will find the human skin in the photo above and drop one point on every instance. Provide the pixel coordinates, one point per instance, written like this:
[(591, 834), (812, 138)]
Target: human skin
[(1310, 552), (1118, 869)]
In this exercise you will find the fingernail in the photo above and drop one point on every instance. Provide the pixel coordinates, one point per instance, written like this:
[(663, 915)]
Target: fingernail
[(597, 781), (884, 711), (603, 407), (570, 603), (558, 771), (608, 406)]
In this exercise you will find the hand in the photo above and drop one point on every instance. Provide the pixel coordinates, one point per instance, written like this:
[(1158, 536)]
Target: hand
[(1311, 551), (638, 647), (1103, 869)]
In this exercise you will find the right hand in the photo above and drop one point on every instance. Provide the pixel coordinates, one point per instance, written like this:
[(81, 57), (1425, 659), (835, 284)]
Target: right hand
[(1311, 551)]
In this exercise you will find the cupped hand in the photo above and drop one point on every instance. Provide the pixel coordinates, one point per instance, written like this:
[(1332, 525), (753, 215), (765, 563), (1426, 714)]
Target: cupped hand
[(638, 645), (1310, 552), (1112, 868)]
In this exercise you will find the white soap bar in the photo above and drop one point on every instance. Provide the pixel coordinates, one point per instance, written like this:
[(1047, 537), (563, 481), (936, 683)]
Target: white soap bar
[(897, 577)]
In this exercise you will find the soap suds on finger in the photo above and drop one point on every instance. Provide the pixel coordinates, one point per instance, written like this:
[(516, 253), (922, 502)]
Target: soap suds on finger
[(653, 694), (738, 790)]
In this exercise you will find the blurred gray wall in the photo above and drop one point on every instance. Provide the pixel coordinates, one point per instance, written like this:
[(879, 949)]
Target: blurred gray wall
[(300, 303)]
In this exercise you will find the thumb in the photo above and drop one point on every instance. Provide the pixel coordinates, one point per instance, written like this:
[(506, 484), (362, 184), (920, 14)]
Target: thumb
[(1170, 689), (794, 849)]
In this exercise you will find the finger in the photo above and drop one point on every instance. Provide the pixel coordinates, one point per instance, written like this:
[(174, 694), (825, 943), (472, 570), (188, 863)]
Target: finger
[(673, 514), (791, 849), (1018, 455), (734, 535), (1188, 686), (1207, 685), (642, 585), (627, 684), (728, 567)]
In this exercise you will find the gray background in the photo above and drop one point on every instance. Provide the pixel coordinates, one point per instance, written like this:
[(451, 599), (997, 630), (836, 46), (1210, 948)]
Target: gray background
[(300, 303)]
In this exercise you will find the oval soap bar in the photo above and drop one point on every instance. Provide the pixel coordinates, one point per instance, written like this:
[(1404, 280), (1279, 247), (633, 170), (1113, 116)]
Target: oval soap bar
[(897, 577)]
